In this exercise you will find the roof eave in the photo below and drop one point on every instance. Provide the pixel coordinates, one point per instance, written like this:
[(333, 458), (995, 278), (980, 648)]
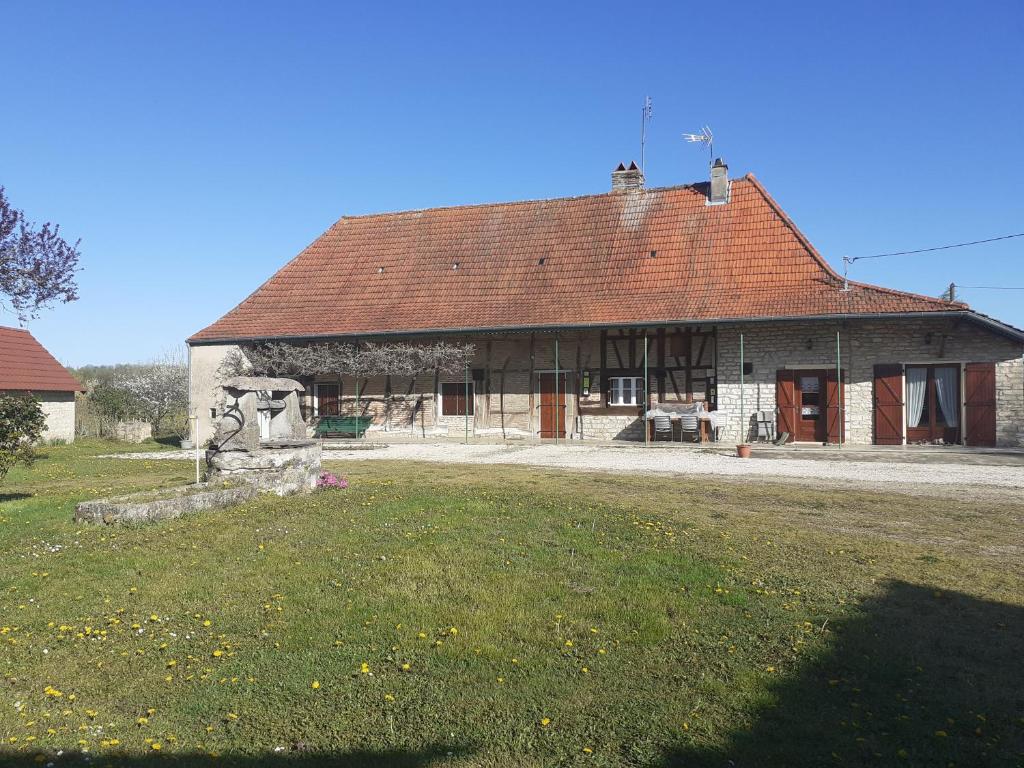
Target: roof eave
[(1007, 330)]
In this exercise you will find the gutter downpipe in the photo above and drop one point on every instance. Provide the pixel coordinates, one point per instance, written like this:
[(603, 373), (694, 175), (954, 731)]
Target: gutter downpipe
[(465, 409)]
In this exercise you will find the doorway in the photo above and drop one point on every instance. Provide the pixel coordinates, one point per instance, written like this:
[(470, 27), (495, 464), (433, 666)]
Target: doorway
[(810, 411), (552, 404), (933, 403)]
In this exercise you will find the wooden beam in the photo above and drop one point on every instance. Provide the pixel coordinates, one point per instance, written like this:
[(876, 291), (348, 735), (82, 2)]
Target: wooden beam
[(604, 364), (661, 365)]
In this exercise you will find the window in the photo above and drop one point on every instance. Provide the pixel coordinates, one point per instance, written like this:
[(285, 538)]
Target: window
[(454, 401), (626, 390), (326, 400), (810, 397)]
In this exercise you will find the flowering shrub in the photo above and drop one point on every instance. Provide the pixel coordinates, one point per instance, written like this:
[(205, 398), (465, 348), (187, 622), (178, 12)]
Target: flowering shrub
[(331, 480)]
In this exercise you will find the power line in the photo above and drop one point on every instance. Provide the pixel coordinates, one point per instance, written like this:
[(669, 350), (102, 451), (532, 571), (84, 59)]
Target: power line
[(848, 260), (991, 287), (852, 259)]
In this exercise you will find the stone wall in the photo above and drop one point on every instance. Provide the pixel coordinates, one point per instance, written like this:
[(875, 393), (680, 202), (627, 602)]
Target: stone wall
[(862, 345), (59, 409)]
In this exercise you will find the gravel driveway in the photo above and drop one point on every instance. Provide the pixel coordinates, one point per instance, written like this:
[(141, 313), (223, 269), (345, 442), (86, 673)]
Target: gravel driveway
[(930, 478)]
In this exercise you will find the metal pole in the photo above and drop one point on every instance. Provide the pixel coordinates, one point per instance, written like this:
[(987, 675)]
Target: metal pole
[(743, 415), (465, 410), (195, 434), (647, 431), (557, 413), (839, 389)]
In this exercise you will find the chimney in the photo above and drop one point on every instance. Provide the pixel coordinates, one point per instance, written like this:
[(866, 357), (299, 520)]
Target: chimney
[(624, 178), (719, 194)]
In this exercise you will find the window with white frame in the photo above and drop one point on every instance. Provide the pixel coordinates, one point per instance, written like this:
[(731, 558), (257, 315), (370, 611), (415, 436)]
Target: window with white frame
[(625, 390)]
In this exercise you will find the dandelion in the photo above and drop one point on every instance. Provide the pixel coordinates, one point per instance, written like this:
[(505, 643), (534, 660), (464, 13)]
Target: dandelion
[(315, 685), (421, 635), (406, 666), (545, 722), (231, 716), (364, 668), (388, 697), (587, 751), (155, 746), (453, 631), (218, 653), (206, 622)]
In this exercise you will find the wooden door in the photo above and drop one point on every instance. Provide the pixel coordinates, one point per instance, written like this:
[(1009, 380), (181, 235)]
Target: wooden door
[(552, 407), (810, 409), (980, 404), (835, 406), (785, 403), (888, 414)]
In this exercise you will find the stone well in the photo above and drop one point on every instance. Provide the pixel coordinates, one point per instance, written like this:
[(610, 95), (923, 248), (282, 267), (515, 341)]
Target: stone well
[(261, 437)]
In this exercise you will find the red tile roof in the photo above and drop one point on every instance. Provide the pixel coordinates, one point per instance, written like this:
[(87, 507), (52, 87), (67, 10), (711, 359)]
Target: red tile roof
[(625, 257), (26, 365)]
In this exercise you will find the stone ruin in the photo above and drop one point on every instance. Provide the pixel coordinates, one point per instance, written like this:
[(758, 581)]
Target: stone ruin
[(261, 437)]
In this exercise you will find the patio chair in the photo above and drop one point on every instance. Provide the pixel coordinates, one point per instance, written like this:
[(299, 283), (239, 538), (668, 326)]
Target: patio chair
[(688, 422), (765, 426), (663, 426)]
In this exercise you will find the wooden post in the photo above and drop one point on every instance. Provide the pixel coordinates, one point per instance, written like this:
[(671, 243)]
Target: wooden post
[(532, 401)]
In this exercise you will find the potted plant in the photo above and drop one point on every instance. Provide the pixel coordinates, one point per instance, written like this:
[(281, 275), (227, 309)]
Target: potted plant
[(743, 450)]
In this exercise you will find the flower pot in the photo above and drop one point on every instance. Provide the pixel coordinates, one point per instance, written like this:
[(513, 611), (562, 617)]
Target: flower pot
[(743, 451)]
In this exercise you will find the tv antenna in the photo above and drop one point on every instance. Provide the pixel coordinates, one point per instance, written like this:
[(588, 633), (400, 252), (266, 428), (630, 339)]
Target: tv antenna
[(645, 118), (704, 137)]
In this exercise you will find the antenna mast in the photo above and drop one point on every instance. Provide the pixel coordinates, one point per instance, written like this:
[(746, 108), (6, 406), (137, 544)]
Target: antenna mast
[(704, 137), (645, 117)]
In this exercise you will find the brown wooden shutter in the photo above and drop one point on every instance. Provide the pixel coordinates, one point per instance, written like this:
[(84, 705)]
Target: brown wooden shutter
[(888, 412), (785, 400), (328, 394), (835, 406), (980, 404)]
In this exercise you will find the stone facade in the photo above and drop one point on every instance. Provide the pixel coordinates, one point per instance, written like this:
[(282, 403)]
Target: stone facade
[(863, 344), (505, 371), (59, 409)]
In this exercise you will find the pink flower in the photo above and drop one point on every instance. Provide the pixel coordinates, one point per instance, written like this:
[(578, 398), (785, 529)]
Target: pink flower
[(330, 480)]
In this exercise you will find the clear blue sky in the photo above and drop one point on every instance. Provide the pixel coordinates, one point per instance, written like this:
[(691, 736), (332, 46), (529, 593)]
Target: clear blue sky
[(196, 147)]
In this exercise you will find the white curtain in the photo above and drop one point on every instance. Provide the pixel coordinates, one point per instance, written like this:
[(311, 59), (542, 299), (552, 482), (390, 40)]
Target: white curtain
[(917, 379), (945, 386)]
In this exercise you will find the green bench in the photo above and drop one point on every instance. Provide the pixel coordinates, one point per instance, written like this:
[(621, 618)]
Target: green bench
[(342, 425)]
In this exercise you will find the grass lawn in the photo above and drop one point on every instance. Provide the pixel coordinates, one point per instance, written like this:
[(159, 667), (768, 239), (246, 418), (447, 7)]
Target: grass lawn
[(486, 616)]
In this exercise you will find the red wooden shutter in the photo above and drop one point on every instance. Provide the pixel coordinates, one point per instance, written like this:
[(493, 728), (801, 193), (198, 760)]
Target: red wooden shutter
[(980, 404), (888, 412), (785, 400), (328, 399), (835, 406)]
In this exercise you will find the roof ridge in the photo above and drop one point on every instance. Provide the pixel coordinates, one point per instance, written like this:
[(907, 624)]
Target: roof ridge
[(528, 201)]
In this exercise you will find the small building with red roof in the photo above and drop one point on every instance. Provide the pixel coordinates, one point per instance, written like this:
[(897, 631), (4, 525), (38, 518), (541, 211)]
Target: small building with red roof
[(26, 367), (591, 315)]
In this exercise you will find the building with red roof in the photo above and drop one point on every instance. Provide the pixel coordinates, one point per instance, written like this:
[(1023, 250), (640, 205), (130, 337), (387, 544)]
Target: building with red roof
[(27, 368), (590, 312)]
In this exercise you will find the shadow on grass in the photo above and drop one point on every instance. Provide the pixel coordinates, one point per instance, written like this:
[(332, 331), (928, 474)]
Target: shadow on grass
[(919, 677), (14, 496), (172, 441), (397, 758)]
